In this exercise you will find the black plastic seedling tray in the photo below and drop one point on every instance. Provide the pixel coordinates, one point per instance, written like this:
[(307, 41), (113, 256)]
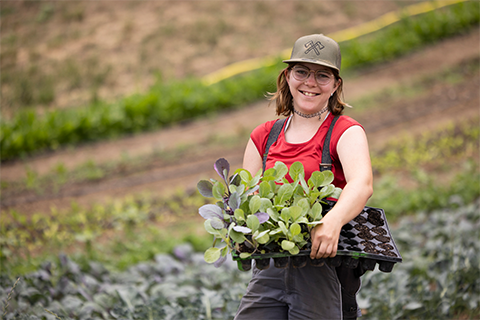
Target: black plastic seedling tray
[(366, 241)]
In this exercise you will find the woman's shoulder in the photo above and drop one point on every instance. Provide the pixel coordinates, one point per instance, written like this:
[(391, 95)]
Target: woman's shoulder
[(347, 121), (264, 128)]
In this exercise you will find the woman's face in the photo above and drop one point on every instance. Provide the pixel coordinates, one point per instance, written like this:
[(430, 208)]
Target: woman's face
[(311, 95)]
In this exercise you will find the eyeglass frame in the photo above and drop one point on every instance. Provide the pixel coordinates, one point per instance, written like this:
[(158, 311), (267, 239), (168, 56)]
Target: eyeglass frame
[(314, 74)]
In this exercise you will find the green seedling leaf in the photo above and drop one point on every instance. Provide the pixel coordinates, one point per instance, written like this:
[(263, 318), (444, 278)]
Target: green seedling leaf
[(218, 190), (294, 250), (316, 212), (238, 189), (252, 183), (295, 229), (269, 175), (239, 215), (262, 237), (245, 176), (235, 180), (305, 205), (265, 190), (212, 255), (314, 196), (216, 223), (210, 229), (273, 214), (275, 231), (253, 222), (295, 212), (284, 193), (283, 228), (281, 170), (336, 193), (298, 239), (285, 215), (315, 179), (245, 255), (254, 204), (287, 245), (296, 169), (328, 177), (265, 204), (236, 236), (304, 185), (205, 188), (327, 191)]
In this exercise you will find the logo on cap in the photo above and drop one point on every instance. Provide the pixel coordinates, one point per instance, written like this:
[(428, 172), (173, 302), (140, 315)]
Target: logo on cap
[(316, 46)]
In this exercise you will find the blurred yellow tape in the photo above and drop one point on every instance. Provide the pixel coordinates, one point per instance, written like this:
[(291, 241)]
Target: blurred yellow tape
[(343, 35)]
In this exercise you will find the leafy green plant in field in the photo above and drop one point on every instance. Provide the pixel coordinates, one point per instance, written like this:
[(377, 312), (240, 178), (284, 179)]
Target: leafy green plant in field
[(266, 209), (438, 279), (439, 276), (429, 194), (454, 142), (100, 232), (168, 103)]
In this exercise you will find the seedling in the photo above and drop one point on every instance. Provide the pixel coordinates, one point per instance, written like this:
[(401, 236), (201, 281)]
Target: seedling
[(269, 212)]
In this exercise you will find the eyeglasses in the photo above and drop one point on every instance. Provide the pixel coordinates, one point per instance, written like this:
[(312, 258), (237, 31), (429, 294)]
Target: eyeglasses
[(302, 73)]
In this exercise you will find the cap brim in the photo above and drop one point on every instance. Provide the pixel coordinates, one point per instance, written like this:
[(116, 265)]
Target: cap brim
[(321, 63)]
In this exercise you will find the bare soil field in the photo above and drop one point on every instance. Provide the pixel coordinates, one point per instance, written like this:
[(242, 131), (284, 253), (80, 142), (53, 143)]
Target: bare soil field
[(179, 156)]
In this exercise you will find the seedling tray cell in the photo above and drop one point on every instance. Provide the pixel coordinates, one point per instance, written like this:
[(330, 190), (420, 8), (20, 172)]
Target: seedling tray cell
[(366, 240)]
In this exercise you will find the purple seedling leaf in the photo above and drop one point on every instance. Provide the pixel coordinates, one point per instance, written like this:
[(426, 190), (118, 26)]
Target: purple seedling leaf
[(205, 188), (262, 217), (210, 211), (234, 201), (220, 261), (223, 168)]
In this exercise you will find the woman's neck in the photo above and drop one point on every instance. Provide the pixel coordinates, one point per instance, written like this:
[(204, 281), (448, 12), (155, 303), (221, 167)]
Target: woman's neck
[(302, 129)]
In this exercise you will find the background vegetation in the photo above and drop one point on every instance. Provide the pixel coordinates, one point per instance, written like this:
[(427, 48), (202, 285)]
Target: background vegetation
[(123, 260), (174, 101)]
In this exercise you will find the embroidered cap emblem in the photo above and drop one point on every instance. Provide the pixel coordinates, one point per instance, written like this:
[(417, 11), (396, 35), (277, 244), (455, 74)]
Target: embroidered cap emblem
[(316, 46)]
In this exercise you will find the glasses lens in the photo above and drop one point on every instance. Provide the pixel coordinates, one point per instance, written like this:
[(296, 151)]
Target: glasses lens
[(323, 77), (301, 73)]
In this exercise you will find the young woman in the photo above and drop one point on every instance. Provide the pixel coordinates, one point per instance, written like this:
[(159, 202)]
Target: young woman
[(309, 94)]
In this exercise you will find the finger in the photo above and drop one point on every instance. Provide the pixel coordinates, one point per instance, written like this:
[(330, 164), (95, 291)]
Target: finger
[(321, 253)]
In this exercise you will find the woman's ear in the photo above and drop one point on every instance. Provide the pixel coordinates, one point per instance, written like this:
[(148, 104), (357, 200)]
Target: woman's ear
[(287, 74), (337, 84)]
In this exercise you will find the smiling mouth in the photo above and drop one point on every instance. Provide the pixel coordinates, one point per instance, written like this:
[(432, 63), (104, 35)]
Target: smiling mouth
[(309, 94)]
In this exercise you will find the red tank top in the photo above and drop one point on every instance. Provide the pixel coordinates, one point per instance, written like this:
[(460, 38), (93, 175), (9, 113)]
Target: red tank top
[(308, 153)]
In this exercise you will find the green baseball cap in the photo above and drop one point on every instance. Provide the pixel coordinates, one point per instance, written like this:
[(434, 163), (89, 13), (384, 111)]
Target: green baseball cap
[(317, 49)]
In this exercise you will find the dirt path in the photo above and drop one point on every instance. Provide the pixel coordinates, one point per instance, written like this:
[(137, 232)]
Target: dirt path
[(441, 105)]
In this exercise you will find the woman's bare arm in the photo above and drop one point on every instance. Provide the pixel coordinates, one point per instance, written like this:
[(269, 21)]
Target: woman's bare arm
[(252, 161), (354, 155)]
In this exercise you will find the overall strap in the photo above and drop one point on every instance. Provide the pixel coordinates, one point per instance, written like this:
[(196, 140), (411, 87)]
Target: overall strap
[(326, 163), (272, 137)]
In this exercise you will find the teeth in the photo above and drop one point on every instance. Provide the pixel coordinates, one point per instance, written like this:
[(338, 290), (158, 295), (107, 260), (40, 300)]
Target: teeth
[(309, 94)]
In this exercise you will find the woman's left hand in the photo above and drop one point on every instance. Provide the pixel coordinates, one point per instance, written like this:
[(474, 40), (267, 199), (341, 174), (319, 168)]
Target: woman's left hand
[(325, 238)]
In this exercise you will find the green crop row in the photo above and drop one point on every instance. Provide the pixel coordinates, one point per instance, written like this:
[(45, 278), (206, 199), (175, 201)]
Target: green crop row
[(132, 230), (455, 142), (176, 101), (438, 279)]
